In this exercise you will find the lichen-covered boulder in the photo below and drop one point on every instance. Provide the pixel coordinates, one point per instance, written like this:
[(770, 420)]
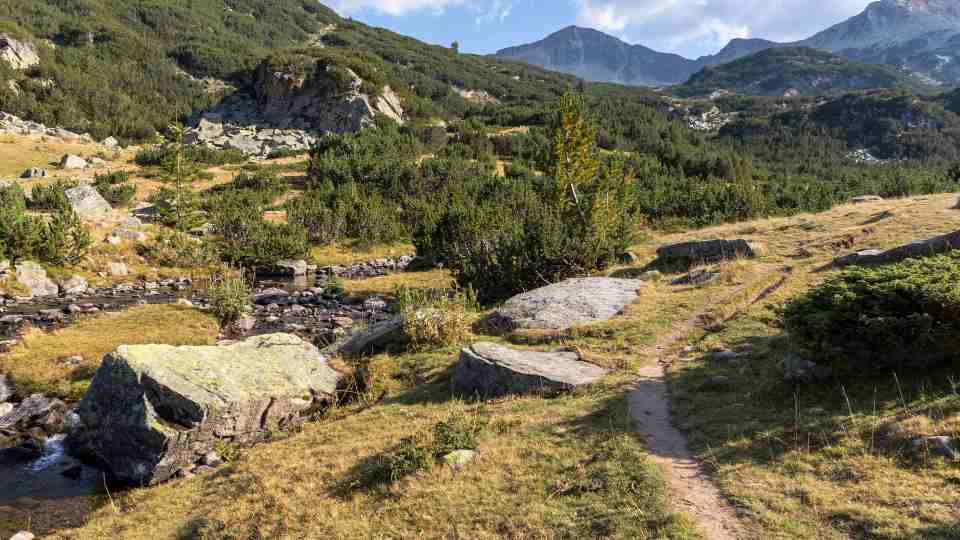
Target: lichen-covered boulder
[(491, 370), (569, 303), (34, 277), (153, 410), (703, 251), (88, 204)]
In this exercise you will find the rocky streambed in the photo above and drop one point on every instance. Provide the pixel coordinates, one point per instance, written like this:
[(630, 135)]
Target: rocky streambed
[(47, 489)]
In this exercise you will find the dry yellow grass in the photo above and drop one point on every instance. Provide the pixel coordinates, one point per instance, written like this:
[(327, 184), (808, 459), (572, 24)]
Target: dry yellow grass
[(827, 460), (346, 253), (434, 279), (18, 154), (35, 364)]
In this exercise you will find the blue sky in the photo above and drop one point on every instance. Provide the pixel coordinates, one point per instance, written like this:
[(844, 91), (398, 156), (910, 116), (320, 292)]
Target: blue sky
[(688, 27)]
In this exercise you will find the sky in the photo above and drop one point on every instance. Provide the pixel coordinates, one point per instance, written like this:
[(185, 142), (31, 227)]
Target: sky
[(688, 27)]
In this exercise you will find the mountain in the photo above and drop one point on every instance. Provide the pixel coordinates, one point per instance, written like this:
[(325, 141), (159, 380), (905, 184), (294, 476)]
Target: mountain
[(595, 56), (793, 71), (918, 36)]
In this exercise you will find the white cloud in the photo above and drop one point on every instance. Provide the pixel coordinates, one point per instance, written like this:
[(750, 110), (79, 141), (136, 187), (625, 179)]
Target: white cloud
[(485, 11), (704, 26)]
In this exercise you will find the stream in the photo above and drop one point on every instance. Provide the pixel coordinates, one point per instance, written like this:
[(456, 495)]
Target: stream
[(53, 491)]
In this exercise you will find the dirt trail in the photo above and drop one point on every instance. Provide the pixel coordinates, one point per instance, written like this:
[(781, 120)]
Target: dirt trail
[(692, 489), (693, 492)]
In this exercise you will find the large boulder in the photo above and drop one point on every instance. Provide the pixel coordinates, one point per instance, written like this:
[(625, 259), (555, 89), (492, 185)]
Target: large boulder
[(18, 54), (913, 250), (71, 162), (572, 302), (34, 277), (491, 370), (153, 410), (704, 251), (87, 202)]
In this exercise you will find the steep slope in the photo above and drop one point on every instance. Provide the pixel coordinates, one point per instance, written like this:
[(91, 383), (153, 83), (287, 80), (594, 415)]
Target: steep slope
[(792, 71)]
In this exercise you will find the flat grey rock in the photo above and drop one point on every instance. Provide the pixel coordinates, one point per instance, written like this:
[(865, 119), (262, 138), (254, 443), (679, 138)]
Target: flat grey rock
[(154, 409), (373, 338), (88, 204), (490, 370), (570, 303)]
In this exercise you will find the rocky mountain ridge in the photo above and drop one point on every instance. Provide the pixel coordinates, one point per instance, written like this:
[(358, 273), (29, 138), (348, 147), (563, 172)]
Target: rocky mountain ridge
[(920, 37)]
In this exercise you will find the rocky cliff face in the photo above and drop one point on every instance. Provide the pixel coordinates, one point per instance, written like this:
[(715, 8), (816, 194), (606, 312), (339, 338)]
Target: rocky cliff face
[(290, 111), (18, 54)]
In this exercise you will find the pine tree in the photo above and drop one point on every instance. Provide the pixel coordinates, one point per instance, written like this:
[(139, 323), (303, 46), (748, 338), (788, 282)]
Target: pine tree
[(573, 152)]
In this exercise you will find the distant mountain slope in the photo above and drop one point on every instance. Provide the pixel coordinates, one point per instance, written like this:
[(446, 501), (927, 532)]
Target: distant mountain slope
[(595, 56), (919, 36), (792, 71)]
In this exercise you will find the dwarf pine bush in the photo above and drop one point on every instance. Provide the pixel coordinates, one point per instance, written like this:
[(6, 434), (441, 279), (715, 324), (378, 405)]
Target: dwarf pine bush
[(898, 315)]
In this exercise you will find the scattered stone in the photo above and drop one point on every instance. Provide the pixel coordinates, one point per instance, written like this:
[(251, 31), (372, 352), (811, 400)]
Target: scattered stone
[(459, 459), (572, 302), (342, 322), (6, 408), (6, 389), (125, 233), (87, 202), (705, 251), (118, 269), (74, 286), (110, 142), (18, 54), (271, 296), (697, 278), (183, 302), (245, 323), (802, 371), (35, 172), (372, 339), (212, 459), (71, 162), (490, 370), (36, 410), (23, 535), (724, 356), (207, 229), (286, 268), (921, 248), (866, 199), (941, 446), (154, 409), (629, 258), (34, 277)]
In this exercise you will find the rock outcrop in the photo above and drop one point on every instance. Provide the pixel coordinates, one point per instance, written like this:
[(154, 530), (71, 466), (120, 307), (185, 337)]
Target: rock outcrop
[(490, 370), (572, 302), (34, 277), (289, 111), (88, 204), (705, 251), (913, 250), (18, 54), (153, 410), (70, 162), (13, 125)]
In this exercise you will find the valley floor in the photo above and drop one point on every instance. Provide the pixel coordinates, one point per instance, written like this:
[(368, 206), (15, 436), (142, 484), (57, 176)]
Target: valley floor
[(790, 462)]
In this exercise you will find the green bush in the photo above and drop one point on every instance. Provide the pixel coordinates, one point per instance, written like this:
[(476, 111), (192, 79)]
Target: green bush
[(899, 315), (248, 240), (434, 318), (115, 187), (229, 297), (51, 196), (60, 238)]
